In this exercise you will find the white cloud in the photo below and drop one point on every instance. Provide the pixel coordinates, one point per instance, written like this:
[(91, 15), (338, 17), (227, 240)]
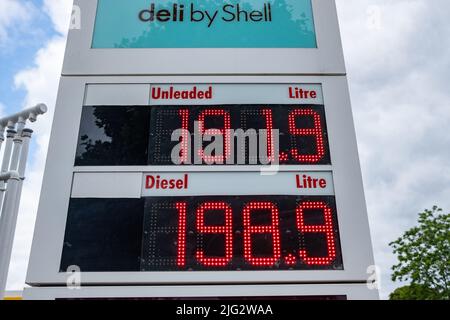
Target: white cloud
[(13, 12), (398, 78), (58, 11)]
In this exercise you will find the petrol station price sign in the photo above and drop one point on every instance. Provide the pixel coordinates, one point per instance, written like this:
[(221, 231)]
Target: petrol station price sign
[(211, 221), (198, 143)]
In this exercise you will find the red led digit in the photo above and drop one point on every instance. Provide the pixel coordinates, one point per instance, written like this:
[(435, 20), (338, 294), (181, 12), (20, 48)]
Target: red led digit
[(225, 132), (184, 114), (269, 127), (226, 230), (316, 131), (181, 255), (284, 156), (326, 228), (290, 260), (250, 229)]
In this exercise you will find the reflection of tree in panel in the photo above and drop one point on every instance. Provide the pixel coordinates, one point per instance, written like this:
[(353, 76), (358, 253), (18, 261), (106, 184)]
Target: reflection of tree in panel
[(114, 136), (286, 14)]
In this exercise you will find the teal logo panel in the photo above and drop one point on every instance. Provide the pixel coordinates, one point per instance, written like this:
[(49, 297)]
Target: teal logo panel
[(204, 24)]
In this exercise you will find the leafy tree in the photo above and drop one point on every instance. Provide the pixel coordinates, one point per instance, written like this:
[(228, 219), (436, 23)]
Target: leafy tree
[(415, 292), (423, 253)]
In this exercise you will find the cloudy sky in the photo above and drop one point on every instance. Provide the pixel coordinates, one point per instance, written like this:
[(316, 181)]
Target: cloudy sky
[(398, 59)]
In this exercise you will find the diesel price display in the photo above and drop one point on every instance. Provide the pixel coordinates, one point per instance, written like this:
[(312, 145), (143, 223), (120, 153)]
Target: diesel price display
[(240, 233)]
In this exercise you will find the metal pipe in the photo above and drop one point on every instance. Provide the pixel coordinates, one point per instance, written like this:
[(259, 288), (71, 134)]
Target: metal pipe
[(27, 114), (16, 150), (17, 146), (20, 126), (11, 182), (26, 137), (11, 209), (2, 138), (8, 147), (6, 160), (8, 221), (5, 176)]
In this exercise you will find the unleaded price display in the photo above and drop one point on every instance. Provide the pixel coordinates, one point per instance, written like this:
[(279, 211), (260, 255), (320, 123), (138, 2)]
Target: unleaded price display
[(126, 135), (302, 131)]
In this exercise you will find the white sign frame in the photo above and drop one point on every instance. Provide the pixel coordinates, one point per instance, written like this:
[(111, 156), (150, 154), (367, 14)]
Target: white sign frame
[(57, 187), (351, 291)]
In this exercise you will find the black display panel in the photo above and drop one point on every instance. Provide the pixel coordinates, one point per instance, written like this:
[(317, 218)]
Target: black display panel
[(103, 235), (228, 233), (130, 135), (303, 137), (113, 136), (241, 233)]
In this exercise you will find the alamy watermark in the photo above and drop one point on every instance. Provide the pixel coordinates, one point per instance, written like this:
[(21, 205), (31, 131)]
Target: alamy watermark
[(374, 278), (73, 281), (75, 19), (227, 147), (374, 18)]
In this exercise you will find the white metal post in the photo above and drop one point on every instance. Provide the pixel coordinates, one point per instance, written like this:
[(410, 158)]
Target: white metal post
[(26, 137), (10, 134), (17, 146), (2, 137), (11, 182)]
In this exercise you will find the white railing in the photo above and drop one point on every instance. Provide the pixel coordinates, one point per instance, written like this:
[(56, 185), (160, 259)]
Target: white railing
[(12, 176)]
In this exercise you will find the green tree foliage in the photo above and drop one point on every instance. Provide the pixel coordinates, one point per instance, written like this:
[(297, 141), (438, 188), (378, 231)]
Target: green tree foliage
[(423, 254), (414, 292)]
